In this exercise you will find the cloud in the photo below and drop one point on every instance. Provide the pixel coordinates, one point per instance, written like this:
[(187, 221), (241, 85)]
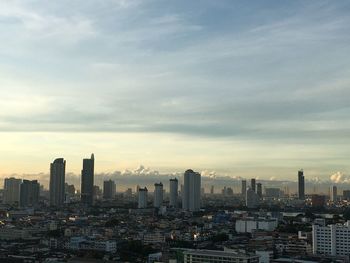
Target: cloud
[(340, 178)]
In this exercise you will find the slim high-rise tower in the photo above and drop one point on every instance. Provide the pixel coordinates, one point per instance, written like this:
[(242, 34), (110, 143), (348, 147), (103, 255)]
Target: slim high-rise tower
[(174, 185), (87, 181), (142, 197), (109, 189), (57, 182), (253, 184), (259, 189), (158, 195), (301, 185), (244, 188), (191, 196), (333, 194)]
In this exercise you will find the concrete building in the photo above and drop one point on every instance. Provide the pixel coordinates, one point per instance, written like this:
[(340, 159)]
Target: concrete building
[(142, 197), (253, 184), (174, 185), (252, 199), (57, 182), (331, 240), (30, 191), (218, 256), (249, 224), (244, 188), (333, 195), (12, 191), (158, 195), (191, 196), (301, 185), (259, 190), (87, 181), (109, 189)]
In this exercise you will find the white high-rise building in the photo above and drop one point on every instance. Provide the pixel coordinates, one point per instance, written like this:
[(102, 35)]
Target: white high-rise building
[(143, 196), (12, 191), (252, 198), (333, 193), (191, 196), (158, 195), (57, 182), (331, 240), (174, 184)]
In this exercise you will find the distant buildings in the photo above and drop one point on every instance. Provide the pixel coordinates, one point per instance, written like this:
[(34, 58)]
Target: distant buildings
[(249, 224), (252, 199), (87, 181), (174, 185), (142, 197), (191, 195), (259, 190), (244, 188), (333, 193), (193, 256), (12, 191), (57, 182), (158, 195), (109, 189), (272, 192), (253, 184), (346, 194), (301, 185), (331, 240), (29, 193), (318, 201)]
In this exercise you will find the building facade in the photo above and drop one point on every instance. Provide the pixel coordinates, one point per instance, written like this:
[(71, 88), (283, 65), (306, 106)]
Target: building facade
[(158, 195), (87, 181), (191, 195), (142, 197), (174, 189), (301, 185), (109, 189), (29, 195), (57, 182), (12, 191)]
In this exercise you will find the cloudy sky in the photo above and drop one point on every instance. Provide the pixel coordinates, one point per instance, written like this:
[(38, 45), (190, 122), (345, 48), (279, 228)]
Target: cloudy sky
[(244, 89)]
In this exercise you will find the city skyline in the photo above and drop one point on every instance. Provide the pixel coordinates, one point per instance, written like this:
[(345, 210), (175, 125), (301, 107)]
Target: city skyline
[(239, 89)]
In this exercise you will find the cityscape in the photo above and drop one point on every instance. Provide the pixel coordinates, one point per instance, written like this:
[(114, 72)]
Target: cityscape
[(152, 131), (177, 220)]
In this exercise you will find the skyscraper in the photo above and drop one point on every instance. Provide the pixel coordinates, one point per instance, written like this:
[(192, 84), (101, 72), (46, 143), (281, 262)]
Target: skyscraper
[(57, 182), (142, 197), (174, 185), (252, 199), (244, 188), (301, 185), (29, 193), (333, 195), (109, 189), (212, 190), (191, 196), (158, 195), (87, 181), (12, 191), (253, 184), (259, 189)]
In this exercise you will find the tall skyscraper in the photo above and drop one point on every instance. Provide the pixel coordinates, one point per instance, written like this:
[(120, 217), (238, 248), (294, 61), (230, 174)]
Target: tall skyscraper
[(142, 197), (252, 199), (57, 182), (212, 190), (191, 196), (109, 189), (253, 184), (174, 185), (244, 188), (158, 195), (12, 191), (301, 185), (87, 181), (29, 196), (333, 194), (259, 190)]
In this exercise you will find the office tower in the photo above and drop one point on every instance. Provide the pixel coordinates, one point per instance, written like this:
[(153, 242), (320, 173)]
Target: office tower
[(87, 181), (158, 195), (259, 190), (57, 182), (244, 188), (143, 196), (212, 190), (12, 191), (253, 184), (252, 199), (191, 196), (174, 184), (301, 185), (109, 189), (29, 193), (333, 193)]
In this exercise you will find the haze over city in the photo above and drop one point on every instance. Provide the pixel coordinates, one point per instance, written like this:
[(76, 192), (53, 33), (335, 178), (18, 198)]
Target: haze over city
[(241, 89)]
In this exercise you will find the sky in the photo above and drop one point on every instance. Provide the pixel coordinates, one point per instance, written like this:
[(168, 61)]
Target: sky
[(240, 88)]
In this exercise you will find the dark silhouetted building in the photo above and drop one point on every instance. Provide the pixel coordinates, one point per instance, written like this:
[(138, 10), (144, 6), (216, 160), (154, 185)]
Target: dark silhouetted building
[(301, 185), (346, 194), (244, 188), (259, 189), (253, 184), (57, 182), (109, 189), (30, 191), (174, 189), (12, 191), (318, 201), (158, 195), (87, 181)]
